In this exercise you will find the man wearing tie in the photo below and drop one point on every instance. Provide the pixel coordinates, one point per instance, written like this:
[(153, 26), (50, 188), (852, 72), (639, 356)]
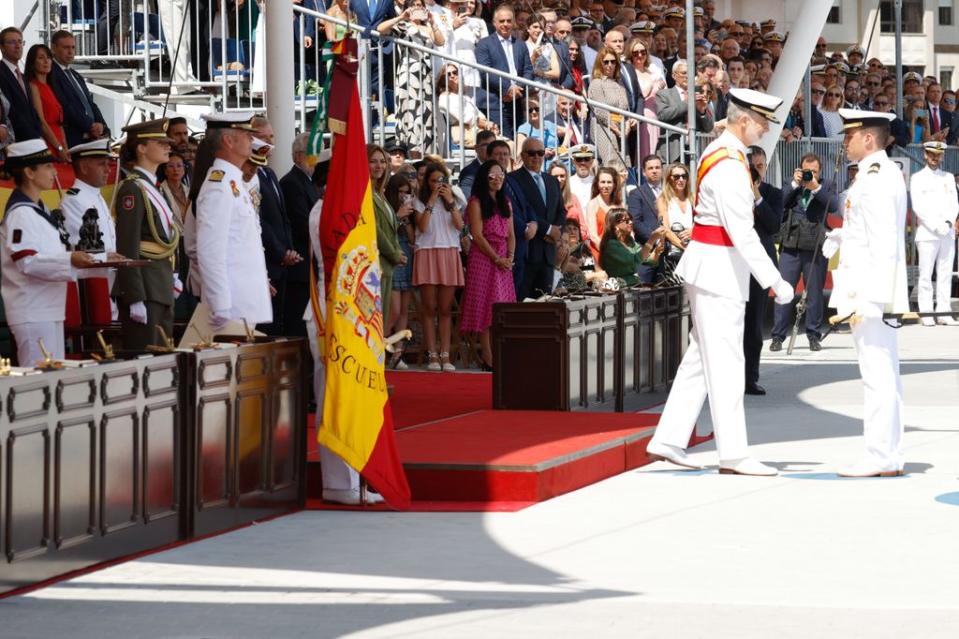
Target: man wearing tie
[(299, 195), (544, 199), (82, 120), (23, 117), (503, 52), (939, 121), (641, 204)]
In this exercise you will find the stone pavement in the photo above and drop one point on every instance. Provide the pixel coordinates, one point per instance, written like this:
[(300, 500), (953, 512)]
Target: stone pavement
[(651, 553)]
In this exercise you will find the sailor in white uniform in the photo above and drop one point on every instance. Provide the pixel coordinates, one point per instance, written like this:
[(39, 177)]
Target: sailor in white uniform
[(871, 280), (35, 259), (716, 266), (91, 166), (936, 204), (229, 250)]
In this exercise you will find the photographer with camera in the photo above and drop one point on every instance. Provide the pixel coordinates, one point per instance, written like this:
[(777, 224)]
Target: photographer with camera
[(806, 203)]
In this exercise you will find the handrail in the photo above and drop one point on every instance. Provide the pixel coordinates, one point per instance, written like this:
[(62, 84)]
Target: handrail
[(491, 71), (26, 21)]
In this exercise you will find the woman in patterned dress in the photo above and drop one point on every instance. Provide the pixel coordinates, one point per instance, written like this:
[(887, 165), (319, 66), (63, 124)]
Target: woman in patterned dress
[(489, 270), (414, 78), (608, 128)]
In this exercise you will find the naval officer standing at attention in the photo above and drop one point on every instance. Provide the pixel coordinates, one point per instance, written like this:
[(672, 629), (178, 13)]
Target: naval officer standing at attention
[(871, 280), (229, 251), (716, 266), (146, 229), (936, 204)]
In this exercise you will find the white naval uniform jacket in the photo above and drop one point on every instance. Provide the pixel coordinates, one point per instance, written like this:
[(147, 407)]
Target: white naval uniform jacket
[(725, 199), (77, 201), (935, 203), (229, 250), (872, 260), (34, 263)]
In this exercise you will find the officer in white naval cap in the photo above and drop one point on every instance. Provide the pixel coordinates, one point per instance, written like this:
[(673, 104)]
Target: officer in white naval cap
[(716, 266), (871, 280), (227, 247), (936, 204)]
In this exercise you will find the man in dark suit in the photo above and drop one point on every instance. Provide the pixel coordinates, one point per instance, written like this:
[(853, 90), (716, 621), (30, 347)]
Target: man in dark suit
[(503, 98), (23, 117), (641, 204), (523, 220), (299, 195), (544, 200), (768, 214), (82, 119), (370, 14), (806, 204), (468, 175), (275, 235), (671, 109)]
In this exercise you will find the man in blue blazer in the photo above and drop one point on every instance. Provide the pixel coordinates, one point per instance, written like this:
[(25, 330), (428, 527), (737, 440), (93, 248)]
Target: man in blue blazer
[(275, 235), (768, 217), (500, 97), (544, 201), (82, 119), (300, 195), (468, 175), (13, 84), (370, 14), (641, 204)]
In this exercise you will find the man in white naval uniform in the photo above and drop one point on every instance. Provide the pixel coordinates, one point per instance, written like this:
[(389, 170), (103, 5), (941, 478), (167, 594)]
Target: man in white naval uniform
[(870, 280), (341, 484), (716, 266), (936, 204), (229, 251), (91, 166)]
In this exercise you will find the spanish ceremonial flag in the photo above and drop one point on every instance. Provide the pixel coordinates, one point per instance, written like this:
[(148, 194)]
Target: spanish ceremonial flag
[(357, 423)]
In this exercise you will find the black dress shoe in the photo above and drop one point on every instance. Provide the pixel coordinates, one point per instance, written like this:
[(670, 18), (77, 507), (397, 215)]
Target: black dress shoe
[(814, 343), (755, 389), (776, 345)]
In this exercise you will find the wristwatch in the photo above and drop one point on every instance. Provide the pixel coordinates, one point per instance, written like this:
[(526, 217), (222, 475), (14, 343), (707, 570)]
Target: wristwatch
[(60, 147)]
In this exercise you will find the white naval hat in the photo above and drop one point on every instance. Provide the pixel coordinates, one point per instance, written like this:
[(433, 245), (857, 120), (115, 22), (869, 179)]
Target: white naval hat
[(934, 146), (582, 151), (28, 153), (230, 120), (261, 152), (97, 148), (761, 103), (854, 118)]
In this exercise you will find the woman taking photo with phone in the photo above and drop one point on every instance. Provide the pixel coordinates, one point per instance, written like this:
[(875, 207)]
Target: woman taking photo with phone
[(489, 270), (399, 194), (437, 269)]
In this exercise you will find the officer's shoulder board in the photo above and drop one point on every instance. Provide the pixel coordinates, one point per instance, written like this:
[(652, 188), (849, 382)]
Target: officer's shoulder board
[(216, 175), (874, 168), (73, 191)]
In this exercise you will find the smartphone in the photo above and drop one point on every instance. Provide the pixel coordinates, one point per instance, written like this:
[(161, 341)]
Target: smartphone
[(406, 198), (920, 113), (419, 14), (443, 180), (755, 175)]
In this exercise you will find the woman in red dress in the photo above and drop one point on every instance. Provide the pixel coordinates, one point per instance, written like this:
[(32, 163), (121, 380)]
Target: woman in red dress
[(38, 65)]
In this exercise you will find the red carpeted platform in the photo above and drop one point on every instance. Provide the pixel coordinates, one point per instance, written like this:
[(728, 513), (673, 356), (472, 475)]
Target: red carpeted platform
[(521, 455), (419, 397)]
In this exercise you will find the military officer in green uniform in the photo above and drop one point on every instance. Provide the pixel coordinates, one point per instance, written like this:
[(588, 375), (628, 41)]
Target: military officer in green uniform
[(146, 229)]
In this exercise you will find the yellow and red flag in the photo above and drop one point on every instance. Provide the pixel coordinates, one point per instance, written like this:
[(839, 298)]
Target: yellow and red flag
[(357, 423)]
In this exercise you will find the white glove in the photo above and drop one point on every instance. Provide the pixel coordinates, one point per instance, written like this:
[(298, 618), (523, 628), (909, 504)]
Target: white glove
[(138, 312), (784, 292), (114, 311), (218, 319), (177, 286), (832, 242), (946, 227)]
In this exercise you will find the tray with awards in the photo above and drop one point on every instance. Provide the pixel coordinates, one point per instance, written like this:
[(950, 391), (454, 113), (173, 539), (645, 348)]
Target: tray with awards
[(116, 264)]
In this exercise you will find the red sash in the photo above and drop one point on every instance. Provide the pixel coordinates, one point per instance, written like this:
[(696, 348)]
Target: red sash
[(715, 235)]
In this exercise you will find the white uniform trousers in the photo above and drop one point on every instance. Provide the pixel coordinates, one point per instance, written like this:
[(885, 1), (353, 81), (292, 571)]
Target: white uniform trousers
[(336, 473), (28, 335), (938, 255), (171, 20), (876, 346), (713, 365)]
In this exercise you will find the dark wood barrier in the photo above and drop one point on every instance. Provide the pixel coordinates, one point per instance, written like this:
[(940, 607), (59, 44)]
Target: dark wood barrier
[(587, 352), (104, 461)]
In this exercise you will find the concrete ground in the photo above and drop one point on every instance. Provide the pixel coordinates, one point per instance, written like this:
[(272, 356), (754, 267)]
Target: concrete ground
[(650, 553)]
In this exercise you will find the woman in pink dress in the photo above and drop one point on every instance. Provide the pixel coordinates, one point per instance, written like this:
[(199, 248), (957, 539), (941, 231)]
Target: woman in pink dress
[(650, 83), (489, 269)]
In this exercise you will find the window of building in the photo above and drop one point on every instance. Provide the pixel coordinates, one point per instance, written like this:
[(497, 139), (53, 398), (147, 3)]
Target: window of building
[(945, 77), (945, 12), (911, 16), (835, 13)]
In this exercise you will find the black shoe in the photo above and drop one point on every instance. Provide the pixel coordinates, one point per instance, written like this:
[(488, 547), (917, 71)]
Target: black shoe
[(755, 389), (814, 343), (776, 345)]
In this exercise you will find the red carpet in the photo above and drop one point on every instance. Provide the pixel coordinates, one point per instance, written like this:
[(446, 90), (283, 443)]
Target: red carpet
[(418, 397)]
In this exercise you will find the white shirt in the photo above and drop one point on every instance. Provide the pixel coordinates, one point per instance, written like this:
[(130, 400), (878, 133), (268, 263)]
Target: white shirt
[(464, 48), (726, 200), (582, 188), (935, 203), (440, 232), (77, 202), (157, 200), (229, 251), (508, 51)]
